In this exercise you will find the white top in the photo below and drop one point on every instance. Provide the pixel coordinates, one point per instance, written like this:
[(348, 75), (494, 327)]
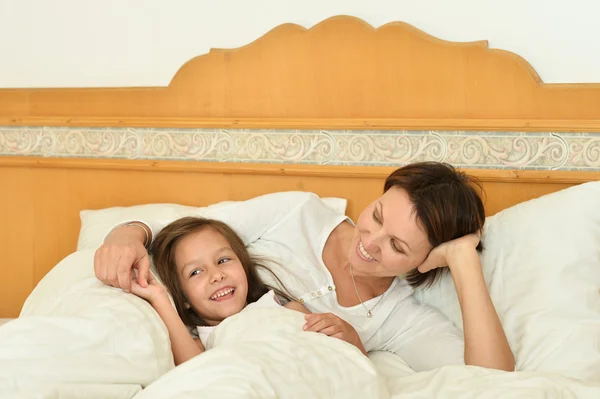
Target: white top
[(291, 228), (268, 300)]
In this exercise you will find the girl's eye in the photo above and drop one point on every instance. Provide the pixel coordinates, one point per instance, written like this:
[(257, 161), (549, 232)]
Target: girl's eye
[(395, 247), (223, 260), (195, 272), (375, 218)]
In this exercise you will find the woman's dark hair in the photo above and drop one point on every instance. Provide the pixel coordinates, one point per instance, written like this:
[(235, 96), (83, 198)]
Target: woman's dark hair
[(446, 202)]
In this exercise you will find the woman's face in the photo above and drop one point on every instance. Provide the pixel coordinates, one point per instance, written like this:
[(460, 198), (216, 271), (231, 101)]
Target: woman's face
[(388, 240)]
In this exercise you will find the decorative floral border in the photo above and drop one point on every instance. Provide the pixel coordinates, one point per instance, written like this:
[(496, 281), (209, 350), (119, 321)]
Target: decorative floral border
[(498, 150)]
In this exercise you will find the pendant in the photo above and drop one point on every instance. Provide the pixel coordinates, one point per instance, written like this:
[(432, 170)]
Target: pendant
[(369, 314)]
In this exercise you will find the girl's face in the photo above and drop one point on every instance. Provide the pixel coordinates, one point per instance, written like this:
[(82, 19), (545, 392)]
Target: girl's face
[(212, 277), (388, 240)]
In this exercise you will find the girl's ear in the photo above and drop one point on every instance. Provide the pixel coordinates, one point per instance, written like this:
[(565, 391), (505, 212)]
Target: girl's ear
[(186, 305)]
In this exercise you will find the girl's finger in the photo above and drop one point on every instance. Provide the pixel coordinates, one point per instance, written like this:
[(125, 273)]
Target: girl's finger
[(136, 289)]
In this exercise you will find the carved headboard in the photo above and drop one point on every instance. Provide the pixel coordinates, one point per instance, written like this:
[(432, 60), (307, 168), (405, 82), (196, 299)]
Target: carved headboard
[(332, 109)]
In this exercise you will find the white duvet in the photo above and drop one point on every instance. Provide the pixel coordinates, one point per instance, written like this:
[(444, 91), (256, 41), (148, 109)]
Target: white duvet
[(467, 382), (263, 353), (93, 341)]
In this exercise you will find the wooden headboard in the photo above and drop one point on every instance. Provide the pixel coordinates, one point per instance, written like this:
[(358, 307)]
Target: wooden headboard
[(332, 109)]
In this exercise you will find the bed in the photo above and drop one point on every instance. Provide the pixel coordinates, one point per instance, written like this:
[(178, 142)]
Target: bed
[(330, 110)]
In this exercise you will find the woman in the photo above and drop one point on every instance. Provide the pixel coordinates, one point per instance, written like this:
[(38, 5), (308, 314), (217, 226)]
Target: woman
[(348, 276)]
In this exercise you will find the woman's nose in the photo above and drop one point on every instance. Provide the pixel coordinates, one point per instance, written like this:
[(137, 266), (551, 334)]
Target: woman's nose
[(371, 243)]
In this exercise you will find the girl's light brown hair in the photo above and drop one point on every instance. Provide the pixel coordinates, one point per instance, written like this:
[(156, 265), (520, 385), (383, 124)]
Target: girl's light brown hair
[(163, 254), (446, 202)]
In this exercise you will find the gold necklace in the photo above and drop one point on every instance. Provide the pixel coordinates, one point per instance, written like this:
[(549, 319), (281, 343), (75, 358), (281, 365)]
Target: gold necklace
[(369, 314)]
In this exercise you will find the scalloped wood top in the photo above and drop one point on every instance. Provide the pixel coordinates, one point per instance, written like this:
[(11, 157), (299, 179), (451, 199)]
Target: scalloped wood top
[(340, 73)]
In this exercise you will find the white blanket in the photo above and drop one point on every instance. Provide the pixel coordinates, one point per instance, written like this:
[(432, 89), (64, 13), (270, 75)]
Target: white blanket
[(75, 330), (263, 353), (77, 338), (466, 382)]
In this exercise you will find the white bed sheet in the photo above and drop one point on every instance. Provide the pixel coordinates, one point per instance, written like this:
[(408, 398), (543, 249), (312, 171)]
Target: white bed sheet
[(74, 330), (458, 382), (268, 357), (263, 353), (4, 321), (78, 391)]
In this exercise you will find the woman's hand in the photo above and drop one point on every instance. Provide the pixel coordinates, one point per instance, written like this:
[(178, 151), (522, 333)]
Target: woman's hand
[(485, 341), (333, 326), (155, 291), (450, 252), (121, 253)]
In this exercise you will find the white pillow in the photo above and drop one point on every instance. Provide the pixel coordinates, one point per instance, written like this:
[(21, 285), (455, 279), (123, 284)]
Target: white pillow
[(75, 330), (542, 266), (96, 223)]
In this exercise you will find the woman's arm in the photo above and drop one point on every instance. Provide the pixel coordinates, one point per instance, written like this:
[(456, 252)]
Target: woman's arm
[(123, 251), (123, 248), (485, 341), (184, 347)]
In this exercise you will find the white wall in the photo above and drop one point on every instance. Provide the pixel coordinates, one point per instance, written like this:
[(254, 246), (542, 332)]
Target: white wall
[(68, 43)]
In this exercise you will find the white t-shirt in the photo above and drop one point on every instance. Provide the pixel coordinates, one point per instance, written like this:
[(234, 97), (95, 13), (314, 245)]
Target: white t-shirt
[(291, 228), (268, 300)]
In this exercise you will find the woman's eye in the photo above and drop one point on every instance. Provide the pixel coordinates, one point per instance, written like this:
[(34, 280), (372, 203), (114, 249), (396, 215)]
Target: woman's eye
[(195, 272), (223, 260), (396, 248), (376, 218)]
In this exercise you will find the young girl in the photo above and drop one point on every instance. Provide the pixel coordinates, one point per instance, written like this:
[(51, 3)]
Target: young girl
[(206, 268)]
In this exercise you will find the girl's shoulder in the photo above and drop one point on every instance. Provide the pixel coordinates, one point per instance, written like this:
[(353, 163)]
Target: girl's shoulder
[(267, 300)]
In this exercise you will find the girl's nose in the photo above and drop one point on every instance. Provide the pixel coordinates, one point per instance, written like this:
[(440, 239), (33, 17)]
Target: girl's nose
[(217, 275)]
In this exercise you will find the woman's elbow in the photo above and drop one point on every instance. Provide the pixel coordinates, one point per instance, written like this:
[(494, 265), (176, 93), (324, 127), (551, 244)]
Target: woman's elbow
[(506, 363)]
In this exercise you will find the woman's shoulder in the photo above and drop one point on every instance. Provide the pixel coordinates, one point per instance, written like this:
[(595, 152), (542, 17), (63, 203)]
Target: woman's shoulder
[(402, 301), (302, 200), (400, 290), (309, 219)]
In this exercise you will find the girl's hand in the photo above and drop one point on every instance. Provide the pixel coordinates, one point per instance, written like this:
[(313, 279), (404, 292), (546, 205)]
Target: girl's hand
[(450, 252), (333, 326), (153, 292)]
